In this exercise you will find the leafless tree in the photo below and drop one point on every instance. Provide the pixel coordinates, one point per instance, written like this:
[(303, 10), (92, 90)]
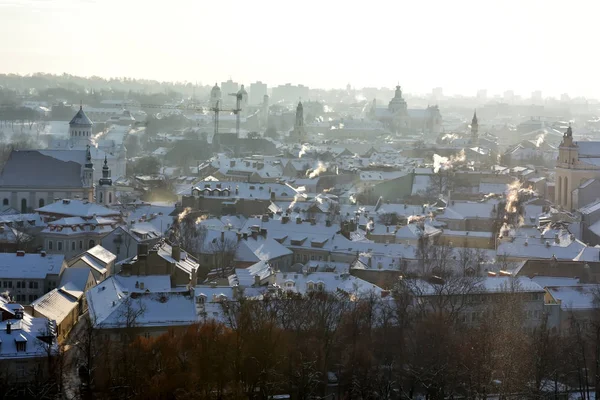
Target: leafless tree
[(223, 251)]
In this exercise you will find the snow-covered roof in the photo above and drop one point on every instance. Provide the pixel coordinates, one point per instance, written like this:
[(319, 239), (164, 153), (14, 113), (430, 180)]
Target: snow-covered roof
[(579, 297), (80, 119), (55, 305), (145, 283), (77, 208), (26, 330), (260, 249), (30, 266), (299, 282), (73, 281)]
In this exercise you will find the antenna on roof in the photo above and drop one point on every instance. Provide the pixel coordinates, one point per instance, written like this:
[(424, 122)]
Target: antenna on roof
[(80, 104)]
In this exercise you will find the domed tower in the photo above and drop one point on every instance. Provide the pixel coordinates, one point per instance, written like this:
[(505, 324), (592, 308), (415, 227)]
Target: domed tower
[(104, 191), (80, 129), (399, 111), (88, 174), (215, 95)]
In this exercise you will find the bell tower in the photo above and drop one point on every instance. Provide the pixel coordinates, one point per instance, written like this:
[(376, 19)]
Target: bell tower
[(105, 194)]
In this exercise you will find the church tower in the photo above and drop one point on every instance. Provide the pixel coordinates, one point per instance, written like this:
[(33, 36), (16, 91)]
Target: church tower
[(299, 133), (104, 191), (80, 129), (398, 109), (569, 173), (88, 174), (215, 95), (474, 129)]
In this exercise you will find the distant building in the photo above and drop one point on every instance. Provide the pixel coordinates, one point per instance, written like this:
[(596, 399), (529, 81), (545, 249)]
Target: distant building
[(399, 118), (258, 91), (81, 138), (289, 93), (228, 88), (298, 134), (577, 163)]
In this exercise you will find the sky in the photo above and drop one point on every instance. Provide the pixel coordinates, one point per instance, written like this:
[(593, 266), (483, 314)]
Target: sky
[(459, 45)]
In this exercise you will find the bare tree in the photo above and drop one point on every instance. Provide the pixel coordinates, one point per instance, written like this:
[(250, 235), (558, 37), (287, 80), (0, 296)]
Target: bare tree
[(224, 251)]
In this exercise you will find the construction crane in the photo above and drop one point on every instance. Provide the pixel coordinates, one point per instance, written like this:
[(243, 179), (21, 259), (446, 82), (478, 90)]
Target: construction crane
[(216, 109)]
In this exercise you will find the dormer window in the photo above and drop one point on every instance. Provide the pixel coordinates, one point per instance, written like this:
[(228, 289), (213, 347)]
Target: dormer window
[(201, 299)]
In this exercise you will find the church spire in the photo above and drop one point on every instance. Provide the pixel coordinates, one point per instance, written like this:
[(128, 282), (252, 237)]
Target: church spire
[(474, 129), (105, 180)]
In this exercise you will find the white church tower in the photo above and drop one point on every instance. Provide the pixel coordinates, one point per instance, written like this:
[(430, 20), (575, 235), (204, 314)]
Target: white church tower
[(80, 129), (105, 193)]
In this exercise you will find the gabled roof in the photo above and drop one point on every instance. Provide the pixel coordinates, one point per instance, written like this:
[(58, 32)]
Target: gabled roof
[(55, 305), (73, 281)]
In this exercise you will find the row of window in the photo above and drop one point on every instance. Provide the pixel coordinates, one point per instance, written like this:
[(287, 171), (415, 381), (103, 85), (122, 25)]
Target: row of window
[(24, 297), (41, 203), (59, 245), (304, 257), (81, 133), (19, 285)]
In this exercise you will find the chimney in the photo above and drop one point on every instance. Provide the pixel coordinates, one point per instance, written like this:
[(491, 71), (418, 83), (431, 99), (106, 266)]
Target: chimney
[(222, 236), (263, 233), (256, 280), (328, 223), (176, 252), (245, 235), (43, 253), (8, 327), (142, 249), (265, 218), (254, 235), (285, 219), (298, 220), (194, 278)]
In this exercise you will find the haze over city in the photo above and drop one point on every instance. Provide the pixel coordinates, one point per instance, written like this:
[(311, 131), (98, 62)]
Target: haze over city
[(461, 46), (316, 200)]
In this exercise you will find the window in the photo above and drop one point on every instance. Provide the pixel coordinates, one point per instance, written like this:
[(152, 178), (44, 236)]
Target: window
[(5, 284), (59, 246), (32, 297), (50, 244), (92, 244), (35, 285), (73, 245), (5, 202), (101, 197), (110, 197), (81, 245), (147, 335), (41, 203), (18, 284), (10, 284), (30, 285), (23, 206)]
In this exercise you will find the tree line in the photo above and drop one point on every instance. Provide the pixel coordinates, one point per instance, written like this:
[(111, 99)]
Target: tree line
[(404, 345)]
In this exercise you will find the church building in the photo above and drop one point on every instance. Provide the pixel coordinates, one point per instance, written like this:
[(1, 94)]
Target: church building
[(577, 163), (81, 136), (399, 118)]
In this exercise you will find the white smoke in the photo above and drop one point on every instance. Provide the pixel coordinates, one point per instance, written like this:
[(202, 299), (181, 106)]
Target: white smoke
[(303, 150), (317, 171), (539, 140), (445, 163), (186, 211)]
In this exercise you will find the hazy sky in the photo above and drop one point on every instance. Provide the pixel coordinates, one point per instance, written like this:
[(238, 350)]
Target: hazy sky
[(460, 45)]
